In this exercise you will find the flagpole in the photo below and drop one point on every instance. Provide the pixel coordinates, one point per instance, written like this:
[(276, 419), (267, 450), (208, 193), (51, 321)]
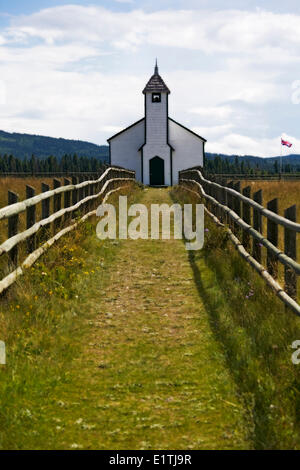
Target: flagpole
[(280, 158)]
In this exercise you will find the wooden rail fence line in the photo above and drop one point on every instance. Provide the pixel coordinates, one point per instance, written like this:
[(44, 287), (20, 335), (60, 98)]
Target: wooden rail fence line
[(52, 174), (80, 200), (228, 207), (221, 178)]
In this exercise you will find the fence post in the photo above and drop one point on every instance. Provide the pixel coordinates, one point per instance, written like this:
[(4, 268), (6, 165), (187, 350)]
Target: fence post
[(290, 249), (13, 224), (246, 217), (272, 235), (86, 194), (45, 212), (56, 204), (30, 219), (237, 207), (229, 203), (67, 200), (92, 201), (224, 203), (81, 193), (257, 225), (74, 194)]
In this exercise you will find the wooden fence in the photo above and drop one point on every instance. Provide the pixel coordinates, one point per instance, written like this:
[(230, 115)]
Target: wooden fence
[(222, 178), (79, 202), (243, 218), (52, 174)]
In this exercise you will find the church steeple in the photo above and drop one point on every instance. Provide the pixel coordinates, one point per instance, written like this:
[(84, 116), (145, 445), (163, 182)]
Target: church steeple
[(156, 83)]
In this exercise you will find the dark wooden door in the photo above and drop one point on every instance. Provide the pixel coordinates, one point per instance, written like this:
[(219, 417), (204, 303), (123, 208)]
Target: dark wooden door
[(157, 171)]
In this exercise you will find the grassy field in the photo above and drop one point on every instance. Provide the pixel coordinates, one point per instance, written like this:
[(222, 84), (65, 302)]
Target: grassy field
[(18, 185), (143, 345), (288, 194), (256, 332)]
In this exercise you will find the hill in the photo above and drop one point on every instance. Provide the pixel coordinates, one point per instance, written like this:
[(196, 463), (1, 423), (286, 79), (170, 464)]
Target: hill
[(24, 145), (263, 163)]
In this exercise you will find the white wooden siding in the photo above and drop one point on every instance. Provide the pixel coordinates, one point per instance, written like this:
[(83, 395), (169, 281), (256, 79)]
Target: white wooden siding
[(124, 148), (188, 149)]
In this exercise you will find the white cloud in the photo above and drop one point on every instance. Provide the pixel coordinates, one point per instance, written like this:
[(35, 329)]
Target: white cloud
[(124, 1), (259, 33), (213, 132), (236, 144), (51, 90), (111, 129), (215, 112)]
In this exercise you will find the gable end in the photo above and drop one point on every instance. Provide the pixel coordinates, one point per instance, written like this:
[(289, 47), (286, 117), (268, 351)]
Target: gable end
[(189, 130)]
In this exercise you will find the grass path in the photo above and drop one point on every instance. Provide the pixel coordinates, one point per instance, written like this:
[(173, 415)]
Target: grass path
[(150, 373)]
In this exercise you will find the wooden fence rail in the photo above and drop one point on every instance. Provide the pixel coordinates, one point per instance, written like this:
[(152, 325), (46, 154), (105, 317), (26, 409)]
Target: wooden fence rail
[(227, 206), (80, 200), (223, 177)]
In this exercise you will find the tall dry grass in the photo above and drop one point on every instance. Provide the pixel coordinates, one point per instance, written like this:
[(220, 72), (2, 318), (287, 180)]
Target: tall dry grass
[(288, 194), (18, 185)]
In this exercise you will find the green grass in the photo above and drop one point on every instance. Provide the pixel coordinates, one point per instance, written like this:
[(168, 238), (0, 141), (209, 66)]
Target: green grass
[(42, 320), (115, 353), (256, 332), (143, 345)]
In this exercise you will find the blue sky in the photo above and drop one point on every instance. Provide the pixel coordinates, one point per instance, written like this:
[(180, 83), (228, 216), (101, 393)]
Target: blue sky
[(77, 70)]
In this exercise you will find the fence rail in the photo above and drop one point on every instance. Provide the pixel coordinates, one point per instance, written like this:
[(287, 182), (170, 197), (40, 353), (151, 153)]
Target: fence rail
[(228, 207), (222, 177), (79, 199), (50, 174)]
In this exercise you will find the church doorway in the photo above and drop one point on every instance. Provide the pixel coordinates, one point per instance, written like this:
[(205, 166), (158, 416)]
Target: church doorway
[(157, 171)]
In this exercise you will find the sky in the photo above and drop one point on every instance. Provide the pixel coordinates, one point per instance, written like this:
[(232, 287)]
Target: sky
[(77, 70)]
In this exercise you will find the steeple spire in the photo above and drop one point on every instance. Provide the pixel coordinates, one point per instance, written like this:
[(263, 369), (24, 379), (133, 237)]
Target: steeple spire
[(156, 83)]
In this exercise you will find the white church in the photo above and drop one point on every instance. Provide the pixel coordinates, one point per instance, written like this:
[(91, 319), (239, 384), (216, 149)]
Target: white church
[(156, 146)]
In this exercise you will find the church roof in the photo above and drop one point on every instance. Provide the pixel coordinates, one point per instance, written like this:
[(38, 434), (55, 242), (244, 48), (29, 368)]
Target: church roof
[(156, 83)]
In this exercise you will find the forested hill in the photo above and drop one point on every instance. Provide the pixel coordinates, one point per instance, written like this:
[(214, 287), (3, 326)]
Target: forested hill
[(220, 163), (25, 145), (264, 163)]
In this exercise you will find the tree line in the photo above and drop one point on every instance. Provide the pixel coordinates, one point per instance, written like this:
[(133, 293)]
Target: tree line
[(51, 164), (220, 165)]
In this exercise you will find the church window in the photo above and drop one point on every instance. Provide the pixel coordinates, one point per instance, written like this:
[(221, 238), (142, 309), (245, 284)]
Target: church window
[(156, 97)]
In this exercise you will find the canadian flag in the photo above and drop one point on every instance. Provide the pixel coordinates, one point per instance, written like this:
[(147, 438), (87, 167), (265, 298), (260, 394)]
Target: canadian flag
[(285, 142)]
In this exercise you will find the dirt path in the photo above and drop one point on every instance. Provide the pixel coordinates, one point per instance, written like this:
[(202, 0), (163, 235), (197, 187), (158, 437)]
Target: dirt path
[(153, 375)]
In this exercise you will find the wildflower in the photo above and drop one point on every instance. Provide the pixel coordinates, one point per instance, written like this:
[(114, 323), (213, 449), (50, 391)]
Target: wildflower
[(26, 412), (75, 446), (206, 230), (18, 306)]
